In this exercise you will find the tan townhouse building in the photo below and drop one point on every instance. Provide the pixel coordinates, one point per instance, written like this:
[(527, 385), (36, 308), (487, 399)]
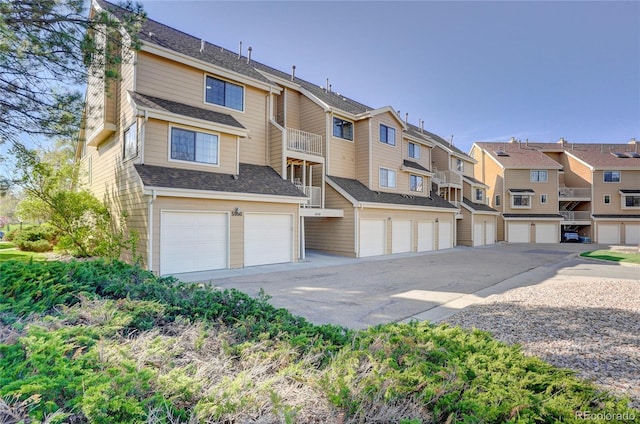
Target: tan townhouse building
[(217, 161), (598, 186)]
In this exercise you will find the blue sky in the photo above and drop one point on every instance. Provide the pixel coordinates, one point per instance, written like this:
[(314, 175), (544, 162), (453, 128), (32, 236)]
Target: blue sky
[(480, 71)]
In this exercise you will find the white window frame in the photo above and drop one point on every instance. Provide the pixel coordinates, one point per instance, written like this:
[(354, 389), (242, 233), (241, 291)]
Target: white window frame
[(421, 185), (623, 203), (514, 206), (479, 195), (388, 129), (459, 165), (388, 173), (538, 173), (244, 92), (341, 137), (217, 135), (416, 150), (543, 199), (497, 202), (128, 140), (604, 177)]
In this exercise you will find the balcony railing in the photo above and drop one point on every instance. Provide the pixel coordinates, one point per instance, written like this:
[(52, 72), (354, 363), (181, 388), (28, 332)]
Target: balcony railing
[(314, 194), (304, 142), (576, 215), (447, 177), (575, 193)]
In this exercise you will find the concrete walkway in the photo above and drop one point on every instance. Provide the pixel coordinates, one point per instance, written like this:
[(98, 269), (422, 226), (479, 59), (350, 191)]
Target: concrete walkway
[(358, 293)]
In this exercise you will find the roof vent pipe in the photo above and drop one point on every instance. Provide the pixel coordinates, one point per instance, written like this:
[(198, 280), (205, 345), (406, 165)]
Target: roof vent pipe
[(240, 51), (249, 54), (330, 89), (422, 125), (513, 140), (201, 46), (326, 88), (562, 141), (406, 118), (451, 140), (293, 72)]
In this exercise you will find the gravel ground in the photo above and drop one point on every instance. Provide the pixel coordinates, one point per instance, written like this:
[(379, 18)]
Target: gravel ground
[(591, 326)]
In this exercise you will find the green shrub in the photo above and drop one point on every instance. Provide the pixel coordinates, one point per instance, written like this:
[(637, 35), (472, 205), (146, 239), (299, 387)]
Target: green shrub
[(35, 239), (35, 246)]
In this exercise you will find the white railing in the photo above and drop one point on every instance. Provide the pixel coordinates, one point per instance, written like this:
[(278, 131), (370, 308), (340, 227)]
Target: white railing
[(575, 192), (448, 177), (576, 215), (304, 142), (314, 194)]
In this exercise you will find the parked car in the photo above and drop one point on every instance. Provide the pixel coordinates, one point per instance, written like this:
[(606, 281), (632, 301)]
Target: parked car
[(570, 237)]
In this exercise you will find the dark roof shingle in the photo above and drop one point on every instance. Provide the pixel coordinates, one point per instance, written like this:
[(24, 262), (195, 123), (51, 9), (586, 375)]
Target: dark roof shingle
[(361, 193), (253, 179), (480, 207)]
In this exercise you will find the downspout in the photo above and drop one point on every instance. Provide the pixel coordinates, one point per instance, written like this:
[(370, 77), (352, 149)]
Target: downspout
[(150, 232), (370, 157), (356, 229), (329, 133), (142, 135)]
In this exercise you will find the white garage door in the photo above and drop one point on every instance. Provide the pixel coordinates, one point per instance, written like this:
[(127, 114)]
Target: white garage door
[(547, 233), (478, 234), (445, 236), (518, 232), (193, 241), (268, 239), (490, 234), (400, 236), (372, 237), (609, 233), (425, 236), (632, 234)]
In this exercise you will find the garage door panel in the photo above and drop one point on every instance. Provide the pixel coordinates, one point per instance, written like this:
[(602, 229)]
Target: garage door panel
[(425, 236), (193, 241), (490, 233), (445, 238), (609, 233), (478, 234), (546, 233), (400, 236), (268, 239), (372, 237), (632, 234), (518, 232)]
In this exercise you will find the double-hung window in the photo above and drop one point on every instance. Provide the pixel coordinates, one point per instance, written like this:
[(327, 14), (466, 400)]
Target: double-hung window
[(224, 93), (415, 183), (539, 176), (459, 165), (387, 178), (194, 146), (387, 135), (414, 150), (611, 176), (479, 195), (342, 129)]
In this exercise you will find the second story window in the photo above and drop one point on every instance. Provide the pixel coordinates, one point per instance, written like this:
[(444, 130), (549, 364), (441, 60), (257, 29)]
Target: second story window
[(194, 146), (415, 183), (387, 178), (539, 176), (414, 151), (631, 200), (224, 93), (543, 199), (497, 200), (479, 195), (607, 199), (387, 135), (343, 129), (520, 201), (611, 176), (459, 165)]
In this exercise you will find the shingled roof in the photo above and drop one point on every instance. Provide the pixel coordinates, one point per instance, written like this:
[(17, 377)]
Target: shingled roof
[(478, 207), (518, 155), (361, 193), (252, 179), (157, 103)]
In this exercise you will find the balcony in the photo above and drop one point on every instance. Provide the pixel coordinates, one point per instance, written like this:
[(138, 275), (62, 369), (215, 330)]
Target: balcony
[(574, 193), (304, 142), (314, 194), (576, 215), (447, 177)]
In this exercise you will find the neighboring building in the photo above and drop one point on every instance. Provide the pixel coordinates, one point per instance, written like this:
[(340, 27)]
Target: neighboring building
[(593, 189), (217, 161)]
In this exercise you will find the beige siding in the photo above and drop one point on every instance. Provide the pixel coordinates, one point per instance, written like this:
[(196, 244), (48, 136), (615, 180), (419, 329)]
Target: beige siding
[(425, 154), (342, 155), (236, 223), (521, 178), (386, 156), (314, 120), (440, 159), (334, 235), (629, 180), (157, 149), (275, 149), (292, 116), (363, 167), (464, 228)]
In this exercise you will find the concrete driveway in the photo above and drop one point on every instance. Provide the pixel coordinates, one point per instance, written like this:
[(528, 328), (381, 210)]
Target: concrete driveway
[(358, 293)]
